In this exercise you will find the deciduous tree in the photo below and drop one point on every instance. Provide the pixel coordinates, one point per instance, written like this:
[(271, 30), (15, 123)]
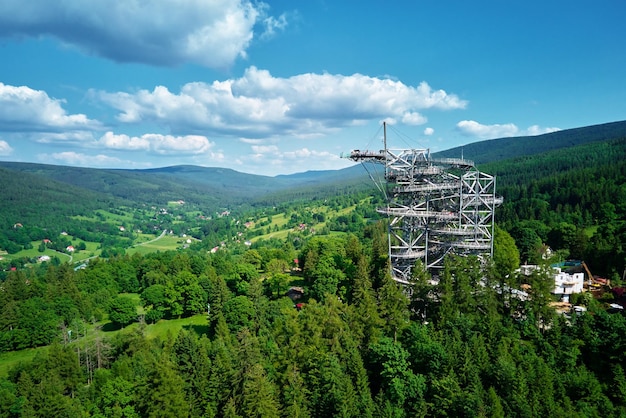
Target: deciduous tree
[(122, 311)]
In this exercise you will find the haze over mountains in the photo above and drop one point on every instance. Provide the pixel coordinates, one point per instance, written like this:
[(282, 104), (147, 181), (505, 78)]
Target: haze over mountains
[(222, 186)]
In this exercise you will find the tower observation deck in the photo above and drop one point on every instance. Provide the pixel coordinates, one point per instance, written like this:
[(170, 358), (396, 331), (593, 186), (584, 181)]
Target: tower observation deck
[(435, 207)]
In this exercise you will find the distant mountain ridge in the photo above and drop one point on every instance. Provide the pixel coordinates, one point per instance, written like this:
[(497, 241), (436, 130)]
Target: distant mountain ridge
[(215, 187), (505, 148)]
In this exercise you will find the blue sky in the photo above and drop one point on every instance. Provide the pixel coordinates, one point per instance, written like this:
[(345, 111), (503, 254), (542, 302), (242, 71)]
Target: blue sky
[(279, 87)]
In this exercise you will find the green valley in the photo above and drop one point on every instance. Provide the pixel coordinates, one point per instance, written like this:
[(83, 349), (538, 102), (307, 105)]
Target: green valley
[(192, 291)]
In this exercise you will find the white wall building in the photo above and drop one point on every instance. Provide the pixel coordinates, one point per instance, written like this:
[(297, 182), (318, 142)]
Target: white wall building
[(566, 284)]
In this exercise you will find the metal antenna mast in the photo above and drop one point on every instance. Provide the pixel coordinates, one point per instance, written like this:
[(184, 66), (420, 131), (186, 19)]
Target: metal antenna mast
[(435, 206)]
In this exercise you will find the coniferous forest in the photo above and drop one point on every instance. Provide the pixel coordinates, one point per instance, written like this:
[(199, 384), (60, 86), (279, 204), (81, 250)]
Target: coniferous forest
[(354, 345), (312, 324)]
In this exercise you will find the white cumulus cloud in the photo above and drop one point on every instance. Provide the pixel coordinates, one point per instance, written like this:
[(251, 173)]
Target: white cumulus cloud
[(473, 128), (307, 153), (5, 149), (413, 118), (68, 137), (323, 160), (124, 142), (274, 25), (165, 32), (478, 130), (258, 105), (268, 159), (157, 143), (84, 160), (538, 130), (264, 149), (25, 109), (429, 131), (255, 141)]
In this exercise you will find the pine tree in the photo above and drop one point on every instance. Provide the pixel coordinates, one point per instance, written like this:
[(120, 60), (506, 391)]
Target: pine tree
[(332, 392), (421, 290), (259, 394), (355, 369), (380, 254), (295, 394), (230, 410), (160, 395), (220, 383), (447, 310), (494, 405), (393, 306), (364, 309), (192, 363)]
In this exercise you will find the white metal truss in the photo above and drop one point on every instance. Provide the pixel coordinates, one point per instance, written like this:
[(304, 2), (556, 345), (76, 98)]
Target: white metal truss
[(435, 207)]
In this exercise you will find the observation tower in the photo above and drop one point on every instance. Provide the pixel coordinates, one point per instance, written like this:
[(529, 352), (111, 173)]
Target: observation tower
[(435, 206)]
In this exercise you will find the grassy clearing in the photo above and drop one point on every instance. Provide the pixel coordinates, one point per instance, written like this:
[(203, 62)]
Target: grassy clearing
[(92, 248), (279, 234), (164, 243), (162, 330), (83, 218), (140, 238), (107, 216), (279, 221), (34, 253), (165, 328), (117, 218), (145, 243), (64, 257), (13, 358), (80, 256), (345, 211)]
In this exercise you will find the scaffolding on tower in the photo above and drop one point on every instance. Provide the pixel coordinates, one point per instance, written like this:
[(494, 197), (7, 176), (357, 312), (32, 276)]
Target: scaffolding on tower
[(435, 207)]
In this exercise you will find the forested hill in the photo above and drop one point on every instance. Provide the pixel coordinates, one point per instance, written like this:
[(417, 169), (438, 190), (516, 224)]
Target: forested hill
[(32, 197), (210, 187), (136, 186), (215, 188), (506, 148)]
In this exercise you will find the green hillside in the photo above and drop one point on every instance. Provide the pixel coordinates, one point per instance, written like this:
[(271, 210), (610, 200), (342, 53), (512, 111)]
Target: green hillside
[(140, 187), (506, 148), (32, 198), (210, 187)]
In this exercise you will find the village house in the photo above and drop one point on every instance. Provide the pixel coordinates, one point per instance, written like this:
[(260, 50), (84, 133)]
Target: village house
[(566, 284)]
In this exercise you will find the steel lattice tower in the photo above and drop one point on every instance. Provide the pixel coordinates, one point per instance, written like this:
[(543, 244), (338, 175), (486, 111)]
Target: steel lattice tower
[(435, 207)]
